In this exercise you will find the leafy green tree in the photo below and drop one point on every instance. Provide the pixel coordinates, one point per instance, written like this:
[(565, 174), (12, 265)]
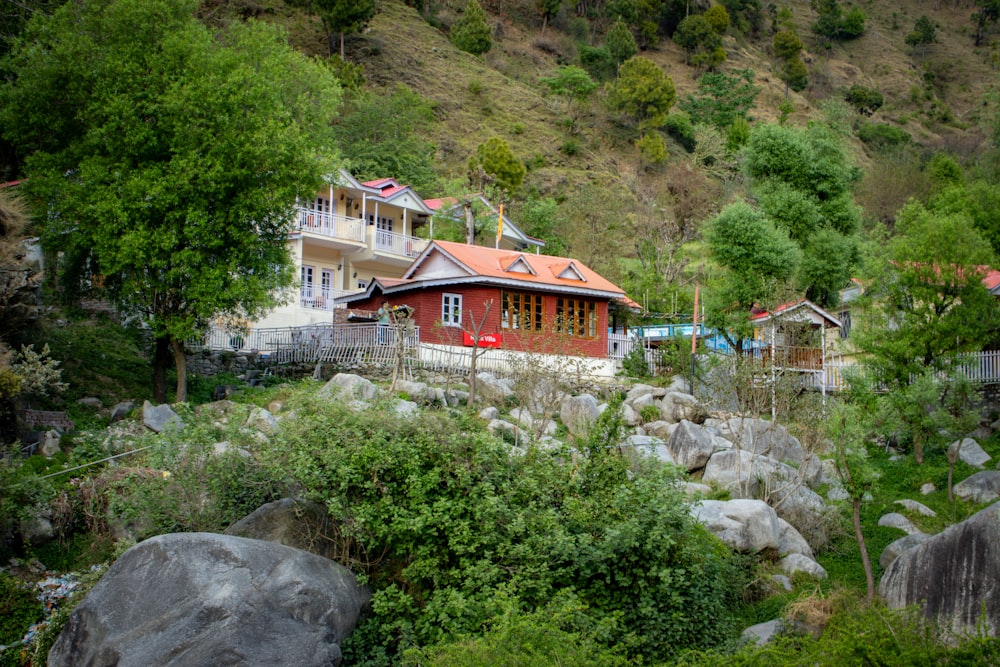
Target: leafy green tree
[(496, 161), (384, 135), (787, 48), (787, 45), (795, 75), (620, 42), (927, 301), (721, 98), (652, 148), (344, 16), (574, 85), (643, 91), (738, 134), (185, 217), (699, 40), (758, 261), (747, 16), (866, 100), (833, 24), (471, 32), (988, 12), (718, 18), (549, 9), (924, 33), (845, 428), (980, 200)]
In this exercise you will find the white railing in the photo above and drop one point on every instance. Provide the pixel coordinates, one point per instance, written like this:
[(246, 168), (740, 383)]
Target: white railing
[(321, 299), (983, 366), (399, 244), (329, 224)]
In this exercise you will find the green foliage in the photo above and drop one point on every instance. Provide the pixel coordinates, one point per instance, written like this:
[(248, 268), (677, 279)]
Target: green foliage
[(186, 218), (827, 260), (471, 32), (924, 32), (866, 100), (832, 23), (19, 609), (759, 260), (344, 16), (385, 134), (883, 135), (39, 374), (643, 91), (680, 127), (738, 134), (575, 86), (721, 98), (945, 170), (698, 39), (930, 302), (497, 161), (444, 522), (718, 18), (620, 42), (787, 45), (747, 16), (634, 363), (980, 200), (597, 61), (652, 148), (539, 218), (351, 76), (795, 74)]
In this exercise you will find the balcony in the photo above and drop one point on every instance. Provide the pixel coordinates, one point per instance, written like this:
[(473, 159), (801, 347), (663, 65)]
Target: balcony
[(330, 225), (319, 298), (399, 244)]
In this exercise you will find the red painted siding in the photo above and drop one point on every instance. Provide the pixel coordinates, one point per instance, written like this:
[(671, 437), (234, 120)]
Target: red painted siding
[(427, 315)]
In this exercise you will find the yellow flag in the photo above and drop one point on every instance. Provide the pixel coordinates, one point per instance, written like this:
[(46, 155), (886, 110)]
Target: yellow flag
[(500, 226)]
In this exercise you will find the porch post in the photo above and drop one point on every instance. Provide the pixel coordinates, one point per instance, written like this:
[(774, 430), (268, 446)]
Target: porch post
[(822, 359), (774, 360)]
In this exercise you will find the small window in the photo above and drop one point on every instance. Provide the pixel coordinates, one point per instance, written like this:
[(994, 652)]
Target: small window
[(451, 310)]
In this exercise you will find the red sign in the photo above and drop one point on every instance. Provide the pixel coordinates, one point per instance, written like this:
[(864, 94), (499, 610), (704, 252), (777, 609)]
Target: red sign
[(485, 340)]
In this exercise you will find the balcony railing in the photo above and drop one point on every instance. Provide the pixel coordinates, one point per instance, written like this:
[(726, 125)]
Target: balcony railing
[(320, 298), (399, 244), (329, 224)]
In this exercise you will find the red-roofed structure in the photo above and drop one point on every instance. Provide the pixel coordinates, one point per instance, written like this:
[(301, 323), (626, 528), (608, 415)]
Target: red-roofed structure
[(536, 299)]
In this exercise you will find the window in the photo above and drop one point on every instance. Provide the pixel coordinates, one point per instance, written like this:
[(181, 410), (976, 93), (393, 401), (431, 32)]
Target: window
[(451, 310), (845, 323), (521, 311), (326, 283), (306, 277), (575, 317)]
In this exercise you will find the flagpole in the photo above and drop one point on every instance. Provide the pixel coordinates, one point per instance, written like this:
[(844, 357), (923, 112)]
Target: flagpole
[(499, 227)]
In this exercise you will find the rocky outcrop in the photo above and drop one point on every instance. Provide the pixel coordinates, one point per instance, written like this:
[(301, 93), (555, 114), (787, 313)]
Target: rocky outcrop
[(295, 523), (691, 445), (968, 451), (980, 487), (158, 418), (578, 413), (350, 386), (750, 526), (207, 599), (953, 575)]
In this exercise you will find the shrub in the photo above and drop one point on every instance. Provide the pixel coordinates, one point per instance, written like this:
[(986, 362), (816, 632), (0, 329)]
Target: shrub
[(680, 127), (883, 135), (18, 609), (598, 62), (866, 100)]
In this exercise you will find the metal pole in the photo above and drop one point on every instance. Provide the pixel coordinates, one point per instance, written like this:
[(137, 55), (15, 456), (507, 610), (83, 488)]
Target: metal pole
[(694, 335)]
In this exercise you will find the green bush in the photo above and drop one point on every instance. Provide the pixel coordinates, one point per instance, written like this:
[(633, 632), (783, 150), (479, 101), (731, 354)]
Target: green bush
[(19, 609), (866, 100), (883, 135), (442, 519), (598, 62), (680, 127)]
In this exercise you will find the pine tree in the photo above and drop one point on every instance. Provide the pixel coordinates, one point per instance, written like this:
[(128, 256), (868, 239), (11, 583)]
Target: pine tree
[(471, 33)]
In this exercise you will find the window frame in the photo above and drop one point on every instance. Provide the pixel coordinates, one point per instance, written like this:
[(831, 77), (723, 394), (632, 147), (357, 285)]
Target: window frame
[(452, 302), (582, 320), (518, 308)]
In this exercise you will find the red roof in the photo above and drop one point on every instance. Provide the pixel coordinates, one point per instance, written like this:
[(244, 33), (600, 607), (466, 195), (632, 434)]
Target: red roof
[(992, 280), (757, 314), (541, 270)]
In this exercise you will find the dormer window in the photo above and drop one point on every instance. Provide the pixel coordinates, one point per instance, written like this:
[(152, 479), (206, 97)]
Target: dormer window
[(569, 272), (519, 265)]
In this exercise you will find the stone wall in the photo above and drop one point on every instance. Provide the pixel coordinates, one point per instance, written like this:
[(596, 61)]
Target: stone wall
[(209, 363)]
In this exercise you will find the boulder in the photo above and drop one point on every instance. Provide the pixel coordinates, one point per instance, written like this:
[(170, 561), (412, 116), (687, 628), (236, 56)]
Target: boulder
[(893, 551), (897, 520), (969, 451), (767, 438), (488, 413), (505, 429), (643, 390), (690, 445), (980, 487), (158, 418), (578, 413), (953, 575), (630, 416), (522, 417), (750, 526), (918, 508), (91, 402), (349, 386), (790, 541), (648, 445), (293, 522), (677, 406), (927, 488), (762, 633), (208, 599), (417, 391), (121, 410), (263, 421), (793, 563), (660, 429), (49, 443), (492, 388)]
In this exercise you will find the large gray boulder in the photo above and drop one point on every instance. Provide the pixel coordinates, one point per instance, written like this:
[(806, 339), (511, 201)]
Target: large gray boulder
[(969, 451), (676, 406), (892, 552), (349, 386), (578, 413), (954, 575), (750, 526), (159, 418), (691, 445), (980, 487), (767, 438), (208, 599), (295, 523)]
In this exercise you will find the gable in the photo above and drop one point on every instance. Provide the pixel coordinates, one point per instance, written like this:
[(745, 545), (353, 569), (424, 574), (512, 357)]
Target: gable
[(568, 272), (518, 265)]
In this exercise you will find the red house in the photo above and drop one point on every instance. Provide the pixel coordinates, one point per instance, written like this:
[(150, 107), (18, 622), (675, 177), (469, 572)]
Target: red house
[(538, 303)]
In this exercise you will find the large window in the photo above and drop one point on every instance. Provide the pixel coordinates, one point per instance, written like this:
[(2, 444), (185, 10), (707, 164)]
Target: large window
[(521, 311), (451, 310), (575, 317)]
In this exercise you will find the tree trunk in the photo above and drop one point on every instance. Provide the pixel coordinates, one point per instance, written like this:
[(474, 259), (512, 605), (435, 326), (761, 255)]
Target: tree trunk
[(161, 359), (342, 56), (181, 362), (865, 560), (918, 451)]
